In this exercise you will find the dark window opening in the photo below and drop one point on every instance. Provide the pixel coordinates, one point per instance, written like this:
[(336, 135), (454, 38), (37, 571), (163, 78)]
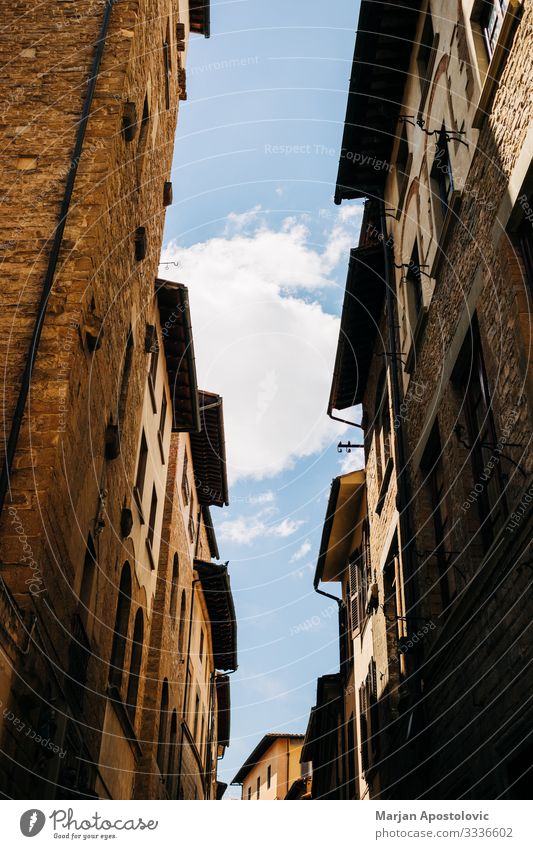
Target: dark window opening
[(181, 633), (143, 137), (162, 734), (258, 787), (482, 439), (490, 21), (426, 53), (166, 60), (269, 777), (185, 487), (124, 381), (441, 177), (174, 589), (524, 240), (135, 664), (163, 416), (414, 283), (118, 649), (151, 521), (141, 468), (433, 468), (87, 582)]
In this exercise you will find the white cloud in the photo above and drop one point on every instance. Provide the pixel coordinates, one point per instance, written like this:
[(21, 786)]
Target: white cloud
[(245, 529), (261, 338), (352, 462), (267, 497), (304, 549)]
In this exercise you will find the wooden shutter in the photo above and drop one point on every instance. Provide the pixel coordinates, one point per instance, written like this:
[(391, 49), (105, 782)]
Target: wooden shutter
[(355, 596)]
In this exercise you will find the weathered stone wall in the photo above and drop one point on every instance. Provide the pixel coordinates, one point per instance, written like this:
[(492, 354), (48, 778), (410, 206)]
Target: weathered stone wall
[(101, 289)]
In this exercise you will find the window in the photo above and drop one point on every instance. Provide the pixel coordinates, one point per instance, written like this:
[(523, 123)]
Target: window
[(183, 610), (201, 652), (162, 733), (482, 440), (249, 793), (163, 416), (368, 718), (185, 488), (135, 664), (141, 472), (441, 179), (426, 56), (152, 373), (269, 776), (141, 145), (196, 716), (360, 580), (151, 522), (382, 434), (432, 466), (413, 279), (201, 739), (524, 239), (192, 528), (402, 166), (171, 768), (120, 630), (124, 381), (258, 787), (87, 582), (166, 60), (490, 21), (174, 589)]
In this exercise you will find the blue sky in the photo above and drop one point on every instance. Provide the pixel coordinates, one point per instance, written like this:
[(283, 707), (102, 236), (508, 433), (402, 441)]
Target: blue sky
[(264, 252)]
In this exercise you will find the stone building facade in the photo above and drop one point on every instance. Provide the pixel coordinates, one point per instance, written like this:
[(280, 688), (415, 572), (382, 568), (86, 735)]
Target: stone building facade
[(274, 771), (435, 347), (104, 427)]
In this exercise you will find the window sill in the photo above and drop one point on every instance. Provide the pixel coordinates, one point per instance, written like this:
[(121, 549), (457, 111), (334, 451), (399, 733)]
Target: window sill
[(384, 486), (138, 503), (418, 332), (510, 22), (445, 230)]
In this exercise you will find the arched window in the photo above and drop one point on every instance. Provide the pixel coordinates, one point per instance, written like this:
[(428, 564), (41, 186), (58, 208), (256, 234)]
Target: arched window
[(382, 426), (135, 663), (174, 589), (87, 582), (181, 633), (143, 138), (121, 627), (171, 769), (124, 380), (162, 735)]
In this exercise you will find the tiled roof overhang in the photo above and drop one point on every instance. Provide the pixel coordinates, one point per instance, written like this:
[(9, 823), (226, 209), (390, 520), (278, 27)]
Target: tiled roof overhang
[(383, 47), (175, 318), (344, 506), (209, 452), (263, 746), (361, 312), (216, 589), (200, 17), (224, 710)]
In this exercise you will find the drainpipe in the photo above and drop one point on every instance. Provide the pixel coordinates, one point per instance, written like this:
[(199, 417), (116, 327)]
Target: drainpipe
[(186, 688), (12, 442)]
